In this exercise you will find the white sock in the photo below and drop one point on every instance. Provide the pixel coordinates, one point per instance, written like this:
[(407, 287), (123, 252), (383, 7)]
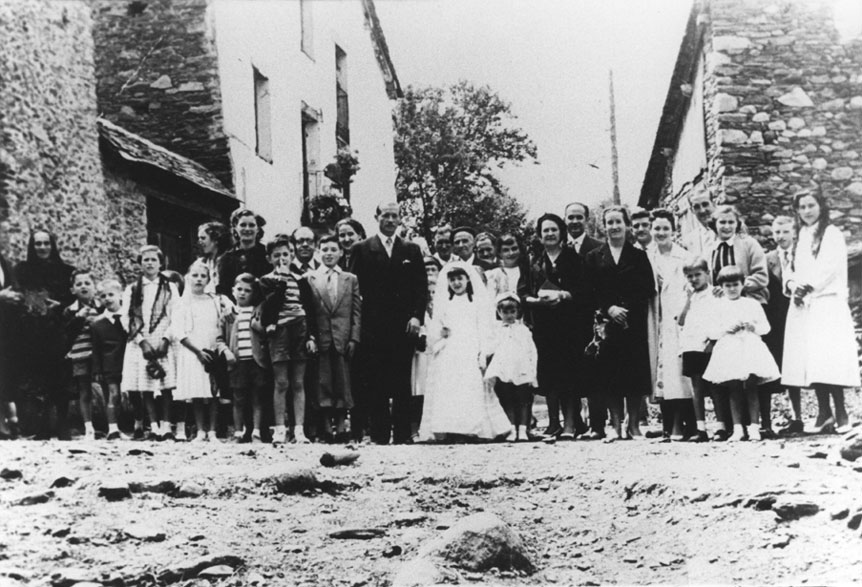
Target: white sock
[(139, 424), (88, 428), (256, 433), (181, 428), (738, 429), (720, 426), (113, 428), (701, 425), (279, 431)]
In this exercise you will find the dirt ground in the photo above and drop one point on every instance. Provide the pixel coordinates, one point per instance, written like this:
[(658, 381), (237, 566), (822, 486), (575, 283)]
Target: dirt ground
[(634, 512)]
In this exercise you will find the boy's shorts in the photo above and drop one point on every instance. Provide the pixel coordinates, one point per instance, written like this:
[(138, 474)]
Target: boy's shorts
[(694, 363), (81, 368), (109, 378), (245, 376), (287, 343)]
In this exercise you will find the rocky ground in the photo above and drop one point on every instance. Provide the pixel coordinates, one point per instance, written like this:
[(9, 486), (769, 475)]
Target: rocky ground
[(587, 513)]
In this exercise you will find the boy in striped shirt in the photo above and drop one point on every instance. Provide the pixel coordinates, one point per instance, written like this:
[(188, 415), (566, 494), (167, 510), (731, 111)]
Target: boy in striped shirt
[(287, 317), (247, 359), (77, 318)]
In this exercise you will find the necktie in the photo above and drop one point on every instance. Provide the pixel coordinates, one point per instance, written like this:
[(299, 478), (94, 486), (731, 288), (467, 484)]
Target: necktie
[(389, 246), (785, 259), (723, 258), (117, 321), (331, 286)]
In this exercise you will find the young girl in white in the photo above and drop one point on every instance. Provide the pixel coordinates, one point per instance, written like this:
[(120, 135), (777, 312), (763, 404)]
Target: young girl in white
[(458, 404), (197, 327), (149, 362), (512, 370), (739, 354)]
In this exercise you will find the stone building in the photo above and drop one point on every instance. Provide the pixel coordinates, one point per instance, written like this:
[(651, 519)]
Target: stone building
[(50, 166), (765, 101), (262, 93)]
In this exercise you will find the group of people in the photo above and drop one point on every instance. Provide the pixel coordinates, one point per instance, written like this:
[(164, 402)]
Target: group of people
[(345, 337)]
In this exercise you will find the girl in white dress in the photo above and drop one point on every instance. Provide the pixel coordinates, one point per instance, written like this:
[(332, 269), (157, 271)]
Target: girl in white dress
[(819, 341), (512, 370), (739, 354), (458, 404), (196, 325)]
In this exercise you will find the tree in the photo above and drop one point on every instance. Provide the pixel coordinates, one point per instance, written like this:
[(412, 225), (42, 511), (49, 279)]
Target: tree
[(448, 142)]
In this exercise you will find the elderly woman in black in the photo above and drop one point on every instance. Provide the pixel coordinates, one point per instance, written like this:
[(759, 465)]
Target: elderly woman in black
[(556, 294), (622, 282), (44, 282)]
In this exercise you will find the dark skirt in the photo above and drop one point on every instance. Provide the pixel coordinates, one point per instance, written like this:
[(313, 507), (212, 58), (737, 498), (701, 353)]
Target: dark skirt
[(624, 363)]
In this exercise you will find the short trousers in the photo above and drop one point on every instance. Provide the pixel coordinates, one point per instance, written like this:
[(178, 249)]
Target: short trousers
[(81, 368), (287, 343), (246, 376), (694, 363), (108, 378)]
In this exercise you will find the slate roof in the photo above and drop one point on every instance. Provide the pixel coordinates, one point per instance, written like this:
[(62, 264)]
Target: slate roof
[(137, 149)]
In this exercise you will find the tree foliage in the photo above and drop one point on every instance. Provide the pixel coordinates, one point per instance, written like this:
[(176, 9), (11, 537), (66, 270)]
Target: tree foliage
[(448, 143)]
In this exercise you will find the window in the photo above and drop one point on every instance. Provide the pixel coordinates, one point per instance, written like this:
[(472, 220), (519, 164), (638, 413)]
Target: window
[(307, 23), (262, 117), (342, 122), (311, 174)]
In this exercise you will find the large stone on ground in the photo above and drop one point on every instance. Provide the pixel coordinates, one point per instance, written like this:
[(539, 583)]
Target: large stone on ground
[(295, 480), (35, 498), (793, 510), (190, 489), (481, 542), (115, 491), (851, 449), (73, 576), (189, 569)]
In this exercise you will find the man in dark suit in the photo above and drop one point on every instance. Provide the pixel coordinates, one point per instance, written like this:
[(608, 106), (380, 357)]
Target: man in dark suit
[(576, 218), (394, 291)]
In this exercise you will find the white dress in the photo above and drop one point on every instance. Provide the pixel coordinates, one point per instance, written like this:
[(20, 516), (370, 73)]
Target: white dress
[(819, 339), (742, 354), (668, 381), (515, 357), (197, 318), (457, 400), (135, 377)]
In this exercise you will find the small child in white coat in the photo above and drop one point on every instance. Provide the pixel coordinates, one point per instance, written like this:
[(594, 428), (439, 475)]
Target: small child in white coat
[(196, 324), (512, 369), (740, 354)]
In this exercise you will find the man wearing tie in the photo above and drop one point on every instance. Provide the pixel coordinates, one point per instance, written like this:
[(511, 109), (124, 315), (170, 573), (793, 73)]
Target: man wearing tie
[(778, 262), (576, 217), (303, 242), (394, 290)]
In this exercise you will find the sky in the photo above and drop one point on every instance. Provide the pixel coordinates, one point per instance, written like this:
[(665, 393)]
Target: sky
[(551, 60)]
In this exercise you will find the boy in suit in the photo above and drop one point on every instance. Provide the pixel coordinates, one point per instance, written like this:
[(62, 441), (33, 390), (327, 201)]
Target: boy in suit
[(777, 262), (109, 346), (338, 307)]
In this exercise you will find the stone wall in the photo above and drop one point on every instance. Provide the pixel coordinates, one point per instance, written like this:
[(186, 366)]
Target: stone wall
[(128, 208), (52, 175), (157, 76), (783, 101)]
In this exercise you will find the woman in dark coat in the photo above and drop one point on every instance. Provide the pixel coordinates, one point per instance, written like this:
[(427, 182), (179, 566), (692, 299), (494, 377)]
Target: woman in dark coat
[(43, 280), (622, 281), (248, 254), (558, 300), (10, 309)]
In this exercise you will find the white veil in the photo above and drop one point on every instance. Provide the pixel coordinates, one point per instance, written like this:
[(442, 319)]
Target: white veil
[(481, 299)]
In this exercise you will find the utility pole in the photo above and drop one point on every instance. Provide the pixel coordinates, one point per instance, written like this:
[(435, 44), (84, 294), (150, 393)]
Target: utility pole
[(615, 160)]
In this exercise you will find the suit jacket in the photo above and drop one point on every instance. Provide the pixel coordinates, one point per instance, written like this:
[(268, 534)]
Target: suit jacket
[(779, 303), (588, 245), (338, 323), (748, 255), (394, 290), (109, 346)]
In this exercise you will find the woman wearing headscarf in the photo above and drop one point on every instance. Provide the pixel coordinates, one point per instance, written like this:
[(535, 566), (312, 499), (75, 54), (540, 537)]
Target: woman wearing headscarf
[(44, 282)]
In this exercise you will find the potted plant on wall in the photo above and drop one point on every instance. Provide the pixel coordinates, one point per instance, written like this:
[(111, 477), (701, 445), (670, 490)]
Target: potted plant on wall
[(333, 203)]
